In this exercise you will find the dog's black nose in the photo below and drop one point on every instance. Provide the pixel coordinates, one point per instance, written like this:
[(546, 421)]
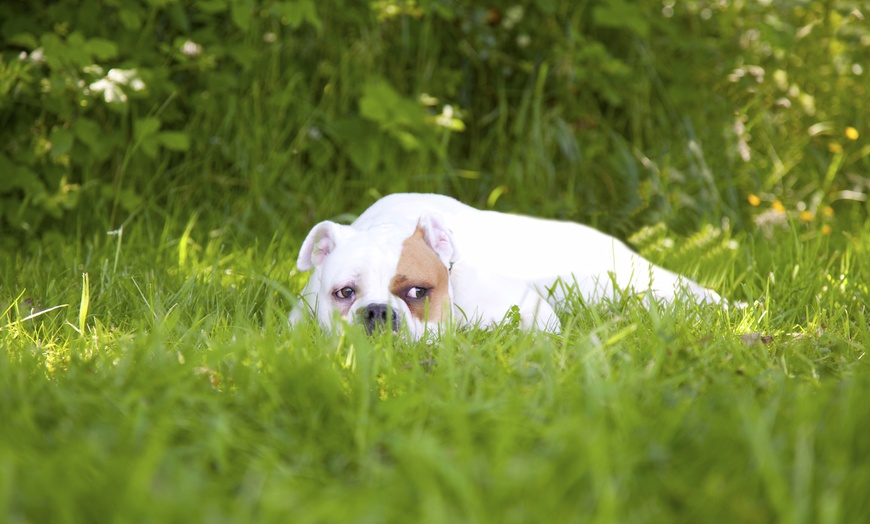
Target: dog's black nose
[(375, 316)]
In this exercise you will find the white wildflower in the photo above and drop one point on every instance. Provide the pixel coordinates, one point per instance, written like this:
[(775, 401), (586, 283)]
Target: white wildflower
[(121, 76), (110, 90), (191, 48), (449, 119), (523, 41), (94, 69), (446, 116), (110, 85), (38, 55)]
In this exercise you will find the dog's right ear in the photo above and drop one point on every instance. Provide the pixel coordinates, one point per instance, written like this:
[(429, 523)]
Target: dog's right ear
[(319, 244), (438, 236)]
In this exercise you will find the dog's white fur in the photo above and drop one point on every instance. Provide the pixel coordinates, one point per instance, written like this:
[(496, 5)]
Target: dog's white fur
[(495, 261)]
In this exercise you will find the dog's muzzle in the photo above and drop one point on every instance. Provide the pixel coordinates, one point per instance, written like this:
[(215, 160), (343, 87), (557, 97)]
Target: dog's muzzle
[(378, 316)]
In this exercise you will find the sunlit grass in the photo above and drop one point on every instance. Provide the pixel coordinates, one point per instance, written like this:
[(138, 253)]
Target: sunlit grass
[(171, 387)]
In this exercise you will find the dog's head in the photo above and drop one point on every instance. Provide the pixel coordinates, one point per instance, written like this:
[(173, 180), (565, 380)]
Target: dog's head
[(388, 277)]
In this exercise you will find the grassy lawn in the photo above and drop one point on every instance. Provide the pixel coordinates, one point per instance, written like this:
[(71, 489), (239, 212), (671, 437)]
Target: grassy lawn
[(165, 385)]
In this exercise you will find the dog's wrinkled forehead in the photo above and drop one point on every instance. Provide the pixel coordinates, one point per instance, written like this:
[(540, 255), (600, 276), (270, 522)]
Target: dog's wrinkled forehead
[(370, 252)]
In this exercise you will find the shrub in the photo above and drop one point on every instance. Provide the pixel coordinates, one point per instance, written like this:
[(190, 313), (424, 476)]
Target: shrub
[(615, 112)]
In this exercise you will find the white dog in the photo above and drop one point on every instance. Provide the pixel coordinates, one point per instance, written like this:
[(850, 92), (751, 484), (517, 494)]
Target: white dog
[(416, 261)]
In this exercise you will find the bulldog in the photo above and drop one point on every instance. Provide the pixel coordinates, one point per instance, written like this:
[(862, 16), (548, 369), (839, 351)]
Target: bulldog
[(418, 262)]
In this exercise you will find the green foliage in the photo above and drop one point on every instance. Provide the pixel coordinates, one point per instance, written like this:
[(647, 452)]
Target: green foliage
[(619, 113), (98, 98)]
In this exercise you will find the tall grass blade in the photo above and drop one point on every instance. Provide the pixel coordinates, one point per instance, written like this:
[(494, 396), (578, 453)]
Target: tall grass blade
[(85, 303)]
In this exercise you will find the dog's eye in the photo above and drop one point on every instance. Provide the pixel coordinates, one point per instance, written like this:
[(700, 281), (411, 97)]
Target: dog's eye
[(417, 292), (345, 292)]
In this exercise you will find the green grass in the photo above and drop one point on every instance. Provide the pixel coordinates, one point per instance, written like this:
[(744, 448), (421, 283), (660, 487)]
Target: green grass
[(169, 388)]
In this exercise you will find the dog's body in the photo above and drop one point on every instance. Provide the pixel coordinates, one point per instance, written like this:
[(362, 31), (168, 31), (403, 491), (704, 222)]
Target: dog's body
[(420, 260)]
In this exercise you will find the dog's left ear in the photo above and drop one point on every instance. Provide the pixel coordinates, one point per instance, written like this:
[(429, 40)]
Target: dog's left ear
[(439, 237), (319, 243)]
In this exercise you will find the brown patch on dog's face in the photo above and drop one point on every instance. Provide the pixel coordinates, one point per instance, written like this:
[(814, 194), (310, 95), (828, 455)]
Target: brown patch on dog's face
[(421, 279)]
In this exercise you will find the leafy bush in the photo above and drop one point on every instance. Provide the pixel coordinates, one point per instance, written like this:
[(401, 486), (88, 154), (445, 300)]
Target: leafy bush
[(617, 113), (100, 98)]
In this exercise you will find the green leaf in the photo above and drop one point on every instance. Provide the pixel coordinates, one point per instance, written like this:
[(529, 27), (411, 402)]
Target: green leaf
[(19, 177), (244, 55), (382, 104), (619, 14), (146, 127), (130, 19), (408, 141), (178, 16), (89, 133), (174, 140), (76, 39), (402, 118), (61, 141), (150, 145), (101, 48), (10, 179), (377, 101), (297, 12), (359, 140), (147, 138), (129, 199), (241, 13), (211, 6), (26, 40)]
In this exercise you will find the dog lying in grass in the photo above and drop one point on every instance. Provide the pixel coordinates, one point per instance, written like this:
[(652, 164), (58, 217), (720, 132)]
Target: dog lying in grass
[(413, 262)]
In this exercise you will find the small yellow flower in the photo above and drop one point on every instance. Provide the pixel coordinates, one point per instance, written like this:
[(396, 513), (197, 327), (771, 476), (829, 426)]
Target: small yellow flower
[(834, 147), (807, 216), (829, 211), (852, 133), (754, 201), (777, 205), (826, 229)]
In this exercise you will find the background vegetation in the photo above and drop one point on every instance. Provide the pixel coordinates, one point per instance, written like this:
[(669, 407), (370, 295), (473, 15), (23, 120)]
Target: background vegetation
[(616, 113), (161, 161)]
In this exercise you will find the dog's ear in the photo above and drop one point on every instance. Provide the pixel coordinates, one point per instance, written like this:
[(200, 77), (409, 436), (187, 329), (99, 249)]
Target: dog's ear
[(439, 237), (319, 243)]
